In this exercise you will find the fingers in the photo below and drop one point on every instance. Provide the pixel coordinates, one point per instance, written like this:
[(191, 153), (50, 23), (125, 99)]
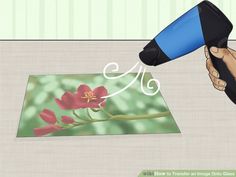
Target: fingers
[(218, 83), (211, 68), (228, 56), (219, 52), (214, 76), (222, 53), (213, 73), (206, 52), (219, 88), (209, 64)]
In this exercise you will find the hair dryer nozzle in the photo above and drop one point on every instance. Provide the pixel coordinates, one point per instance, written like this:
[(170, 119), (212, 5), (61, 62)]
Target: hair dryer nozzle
[(152, 54), (148, 56)]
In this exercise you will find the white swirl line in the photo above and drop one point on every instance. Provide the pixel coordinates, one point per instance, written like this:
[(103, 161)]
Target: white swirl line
[(127, 86), (115, 70), (148, 85)]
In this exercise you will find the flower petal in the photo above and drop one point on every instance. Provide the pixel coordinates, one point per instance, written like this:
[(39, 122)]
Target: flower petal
[(46, 130), (68, 101), (103, 104), (48, 116), (100, 91), (81, 102), (61, 104), (83, 88), (67, 97), (67, 120)]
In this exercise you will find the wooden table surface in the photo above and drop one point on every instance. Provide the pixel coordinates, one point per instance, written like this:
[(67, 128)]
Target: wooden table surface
[(205, 116)]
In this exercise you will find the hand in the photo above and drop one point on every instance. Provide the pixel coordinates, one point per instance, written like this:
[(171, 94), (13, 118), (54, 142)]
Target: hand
[(229, 57)]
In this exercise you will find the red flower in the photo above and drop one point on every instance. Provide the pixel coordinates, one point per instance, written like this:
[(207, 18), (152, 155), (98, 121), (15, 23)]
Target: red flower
[(68, 101), (83, 98), (88, 98), (67, 120), (46, 130), (48, 116)]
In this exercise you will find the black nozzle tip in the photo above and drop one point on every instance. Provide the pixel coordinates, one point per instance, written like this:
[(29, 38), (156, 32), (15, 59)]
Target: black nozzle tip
[(148, 56), (152, 54)]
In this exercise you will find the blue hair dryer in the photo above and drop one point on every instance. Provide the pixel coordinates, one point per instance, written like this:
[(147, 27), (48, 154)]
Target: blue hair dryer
[(204, 24)]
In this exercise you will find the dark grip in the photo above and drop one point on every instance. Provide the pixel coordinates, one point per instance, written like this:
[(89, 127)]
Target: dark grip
[(225, 75)]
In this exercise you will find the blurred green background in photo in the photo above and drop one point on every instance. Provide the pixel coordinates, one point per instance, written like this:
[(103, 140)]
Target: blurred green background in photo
[(42, 90)]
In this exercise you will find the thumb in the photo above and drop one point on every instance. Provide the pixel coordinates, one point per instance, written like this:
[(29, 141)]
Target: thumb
[(222, 53), (227, 57)]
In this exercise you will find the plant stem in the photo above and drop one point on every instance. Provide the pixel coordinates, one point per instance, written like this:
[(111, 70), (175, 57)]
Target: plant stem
[(90, 117), (138, 117), (77, 116), (95, 110), (107, 113), (124, 118)]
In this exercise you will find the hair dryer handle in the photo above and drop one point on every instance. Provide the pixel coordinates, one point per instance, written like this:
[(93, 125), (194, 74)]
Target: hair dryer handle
[(224, 72)]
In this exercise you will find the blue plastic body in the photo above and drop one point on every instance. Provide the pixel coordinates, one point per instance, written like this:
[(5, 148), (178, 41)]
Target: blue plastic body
[(182, 36)]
